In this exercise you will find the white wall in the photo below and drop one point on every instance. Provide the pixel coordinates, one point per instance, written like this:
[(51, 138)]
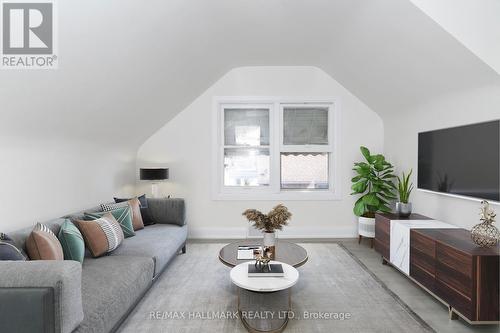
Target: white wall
[(474, 23), (401, 144), (184, 145), (41, 180)]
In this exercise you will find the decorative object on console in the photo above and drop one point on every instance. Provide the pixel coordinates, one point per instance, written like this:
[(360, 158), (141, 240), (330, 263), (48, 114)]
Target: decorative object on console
[(274, 220), (9, 250), (122, 215), (42, 244), (403, 206), (485, 234), (374, 183), (72, 242), (154, 175)]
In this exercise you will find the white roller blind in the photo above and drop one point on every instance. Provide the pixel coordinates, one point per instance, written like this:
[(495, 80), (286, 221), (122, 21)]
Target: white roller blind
[(305, 126)]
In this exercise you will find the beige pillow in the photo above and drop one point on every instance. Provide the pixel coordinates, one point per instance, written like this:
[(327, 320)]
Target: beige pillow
[(42, 244), (137, 222), (102, 235)]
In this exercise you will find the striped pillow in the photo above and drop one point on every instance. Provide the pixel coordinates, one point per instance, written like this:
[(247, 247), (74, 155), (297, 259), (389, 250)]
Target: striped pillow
[(107, 207), (101, 235)]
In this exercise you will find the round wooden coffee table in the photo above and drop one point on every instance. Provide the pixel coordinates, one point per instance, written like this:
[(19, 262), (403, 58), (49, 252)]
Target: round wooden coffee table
[(287, 252)]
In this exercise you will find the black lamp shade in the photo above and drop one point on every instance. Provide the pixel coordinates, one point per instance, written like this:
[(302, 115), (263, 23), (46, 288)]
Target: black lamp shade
[(154, 174)]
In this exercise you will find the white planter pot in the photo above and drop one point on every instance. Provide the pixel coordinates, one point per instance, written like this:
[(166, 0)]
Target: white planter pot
[(366, 227)]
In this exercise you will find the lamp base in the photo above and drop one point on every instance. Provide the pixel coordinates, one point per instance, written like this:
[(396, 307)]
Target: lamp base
[(154, 190)]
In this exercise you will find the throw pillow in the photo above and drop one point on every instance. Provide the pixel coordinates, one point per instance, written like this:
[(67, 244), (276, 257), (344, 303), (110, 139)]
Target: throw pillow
[(136, 211), (101, 235), (122, 215), (146, 216), (9, 250), (142, 200), (42, 244), (71, 242)]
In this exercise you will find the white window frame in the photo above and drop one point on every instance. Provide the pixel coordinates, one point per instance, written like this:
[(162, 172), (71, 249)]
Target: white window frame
[(276, 146)]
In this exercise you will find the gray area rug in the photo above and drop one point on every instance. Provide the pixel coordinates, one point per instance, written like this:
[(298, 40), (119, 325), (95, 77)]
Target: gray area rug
[(195, 294)]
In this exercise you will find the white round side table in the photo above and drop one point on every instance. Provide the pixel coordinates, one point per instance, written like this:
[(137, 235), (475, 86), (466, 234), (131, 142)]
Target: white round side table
[(264, 303)]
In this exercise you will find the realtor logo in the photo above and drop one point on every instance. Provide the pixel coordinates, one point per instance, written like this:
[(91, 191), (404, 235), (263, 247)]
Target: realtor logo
[(28, 35)]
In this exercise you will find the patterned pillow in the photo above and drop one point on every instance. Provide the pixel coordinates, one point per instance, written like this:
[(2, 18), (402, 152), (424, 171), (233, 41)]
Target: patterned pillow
[(134, 204), (123, 216), (71, 242), (146, 215), (101, 235), (42, 244), (8, 249)]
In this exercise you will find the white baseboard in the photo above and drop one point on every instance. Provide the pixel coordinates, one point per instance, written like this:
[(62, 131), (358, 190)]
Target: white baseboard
[(288, 233)]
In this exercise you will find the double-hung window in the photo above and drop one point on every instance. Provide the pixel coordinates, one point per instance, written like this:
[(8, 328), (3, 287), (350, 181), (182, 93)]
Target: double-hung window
[(275, 149)]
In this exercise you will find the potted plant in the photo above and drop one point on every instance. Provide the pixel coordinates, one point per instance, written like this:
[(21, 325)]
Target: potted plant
[(374, 183), (268, 224), (403, 206)]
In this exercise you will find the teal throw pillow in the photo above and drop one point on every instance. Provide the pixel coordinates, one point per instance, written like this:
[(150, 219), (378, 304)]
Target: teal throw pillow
[(123, 216), (71, 241)]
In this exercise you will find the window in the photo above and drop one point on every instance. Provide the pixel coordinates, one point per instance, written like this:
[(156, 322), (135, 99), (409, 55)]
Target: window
[(275, 149)]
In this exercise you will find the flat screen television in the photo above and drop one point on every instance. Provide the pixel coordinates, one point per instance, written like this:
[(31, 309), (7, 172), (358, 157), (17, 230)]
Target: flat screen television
[(461, 160)]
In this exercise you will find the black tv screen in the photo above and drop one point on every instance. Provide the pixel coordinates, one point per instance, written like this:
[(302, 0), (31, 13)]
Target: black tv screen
[(462, 160)]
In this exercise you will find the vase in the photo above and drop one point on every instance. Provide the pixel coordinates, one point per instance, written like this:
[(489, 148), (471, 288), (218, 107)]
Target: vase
[(485, 234), (270, 242), (403, 209)]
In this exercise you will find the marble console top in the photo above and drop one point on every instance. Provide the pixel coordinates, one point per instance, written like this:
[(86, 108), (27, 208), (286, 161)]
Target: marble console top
[(400, 239)]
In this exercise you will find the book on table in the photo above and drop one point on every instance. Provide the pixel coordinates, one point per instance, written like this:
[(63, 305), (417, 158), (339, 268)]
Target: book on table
[(271, 270), (248, 252)]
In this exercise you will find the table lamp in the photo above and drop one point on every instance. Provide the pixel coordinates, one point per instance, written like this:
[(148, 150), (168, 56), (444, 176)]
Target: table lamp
[(155, 175)]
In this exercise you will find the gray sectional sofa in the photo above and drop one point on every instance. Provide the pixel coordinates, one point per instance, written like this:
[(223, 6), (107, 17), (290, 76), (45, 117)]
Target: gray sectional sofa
[(96, 296)]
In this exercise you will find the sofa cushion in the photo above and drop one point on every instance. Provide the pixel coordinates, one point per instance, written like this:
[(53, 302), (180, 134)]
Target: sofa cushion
[(122, 214), (101, 235), (142, 199), (134, 204), (159, 242), (110, 286), (71, 241), (9, 250), (167, 210), (42, 244), (145, 214)]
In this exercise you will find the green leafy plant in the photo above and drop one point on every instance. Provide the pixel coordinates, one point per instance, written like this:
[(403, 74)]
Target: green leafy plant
[(374, 183), (405, 187)]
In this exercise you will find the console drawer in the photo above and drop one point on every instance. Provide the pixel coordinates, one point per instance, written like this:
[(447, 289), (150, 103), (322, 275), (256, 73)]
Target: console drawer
[(454, 268), (422, 252), (454, 259), (455, 299)]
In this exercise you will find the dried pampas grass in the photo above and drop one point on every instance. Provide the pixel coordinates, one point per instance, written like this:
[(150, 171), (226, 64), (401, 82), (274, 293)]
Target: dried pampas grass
[(274, 220)]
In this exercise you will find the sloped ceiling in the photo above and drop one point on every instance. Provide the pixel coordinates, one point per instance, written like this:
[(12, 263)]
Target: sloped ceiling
[(127, 67)]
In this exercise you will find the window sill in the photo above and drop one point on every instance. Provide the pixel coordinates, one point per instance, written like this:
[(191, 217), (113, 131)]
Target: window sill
[(282, 196)]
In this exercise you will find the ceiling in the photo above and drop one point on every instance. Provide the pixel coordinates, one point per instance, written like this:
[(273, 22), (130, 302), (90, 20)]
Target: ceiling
[(127, 67)]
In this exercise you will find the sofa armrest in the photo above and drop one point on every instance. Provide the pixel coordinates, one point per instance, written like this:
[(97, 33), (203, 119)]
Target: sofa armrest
[(41, 296), (167, 210)]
